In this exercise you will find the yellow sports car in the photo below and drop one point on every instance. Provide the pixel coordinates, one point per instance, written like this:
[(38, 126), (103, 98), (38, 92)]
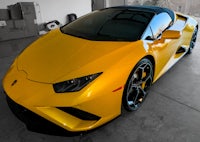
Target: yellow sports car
[(79, 76)]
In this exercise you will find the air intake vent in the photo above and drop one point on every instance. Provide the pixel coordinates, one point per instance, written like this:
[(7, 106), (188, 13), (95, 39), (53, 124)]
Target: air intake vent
[(79, 113)]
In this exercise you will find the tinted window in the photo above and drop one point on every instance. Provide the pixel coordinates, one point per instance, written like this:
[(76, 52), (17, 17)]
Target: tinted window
[(110, 25), (160, 23)]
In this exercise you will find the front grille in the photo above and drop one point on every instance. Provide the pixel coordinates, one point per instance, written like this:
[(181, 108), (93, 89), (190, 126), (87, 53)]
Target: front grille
[(79, 113)]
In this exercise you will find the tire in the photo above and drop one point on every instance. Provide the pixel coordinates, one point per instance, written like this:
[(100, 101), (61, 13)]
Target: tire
[(193, 40), (137, 85)]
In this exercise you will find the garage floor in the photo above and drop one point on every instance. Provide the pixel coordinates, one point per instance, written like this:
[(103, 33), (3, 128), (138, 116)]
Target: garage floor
[(171, 113)]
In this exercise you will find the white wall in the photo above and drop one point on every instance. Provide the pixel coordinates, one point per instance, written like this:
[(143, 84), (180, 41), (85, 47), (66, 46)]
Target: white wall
[(110, 3), (48, 10)]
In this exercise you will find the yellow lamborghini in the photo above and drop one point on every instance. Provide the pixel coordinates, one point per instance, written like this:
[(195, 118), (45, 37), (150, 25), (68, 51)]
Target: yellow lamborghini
[(79, 76)]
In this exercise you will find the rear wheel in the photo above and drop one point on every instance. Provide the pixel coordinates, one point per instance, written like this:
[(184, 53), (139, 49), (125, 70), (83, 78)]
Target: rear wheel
[(137, 85), (193, 41)]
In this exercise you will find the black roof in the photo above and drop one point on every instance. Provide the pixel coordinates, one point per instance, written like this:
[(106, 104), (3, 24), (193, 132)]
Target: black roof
[(154, 9)]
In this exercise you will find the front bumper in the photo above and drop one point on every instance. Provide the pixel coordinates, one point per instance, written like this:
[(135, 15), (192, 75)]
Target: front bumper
[(33, 121), (35, 102), (73, 119)]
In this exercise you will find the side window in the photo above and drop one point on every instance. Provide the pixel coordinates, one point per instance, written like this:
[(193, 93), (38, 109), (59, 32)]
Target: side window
[(159, 23), (148, 35)]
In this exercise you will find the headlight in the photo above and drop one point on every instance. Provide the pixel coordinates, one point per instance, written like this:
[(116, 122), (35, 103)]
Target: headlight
[(75, 84)]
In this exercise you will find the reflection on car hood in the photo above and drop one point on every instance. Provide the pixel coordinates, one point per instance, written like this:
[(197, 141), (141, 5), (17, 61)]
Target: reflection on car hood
[(56, 57)]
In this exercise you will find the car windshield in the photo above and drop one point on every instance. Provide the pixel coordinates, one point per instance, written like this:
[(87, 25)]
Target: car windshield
[(110, 25)]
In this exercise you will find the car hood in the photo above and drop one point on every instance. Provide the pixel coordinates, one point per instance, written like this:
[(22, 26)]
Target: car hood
[(57, 57)]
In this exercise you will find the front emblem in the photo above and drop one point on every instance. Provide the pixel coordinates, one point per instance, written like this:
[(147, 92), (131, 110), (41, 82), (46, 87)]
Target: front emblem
[(14, 82)]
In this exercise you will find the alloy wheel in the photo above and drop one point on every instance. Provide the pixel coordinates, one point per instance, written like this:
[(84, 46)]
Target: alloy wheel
[(138, 85)]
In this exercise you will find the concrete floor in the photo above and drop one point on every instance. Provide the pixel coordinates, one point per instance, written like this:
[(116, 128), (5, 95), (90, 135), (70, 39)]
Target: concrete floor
[(171, 113)]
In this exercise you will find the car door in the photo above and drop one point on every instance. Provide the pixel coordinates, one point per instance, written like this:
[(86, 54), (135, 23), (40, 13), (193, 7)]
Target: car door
[(162, 48)]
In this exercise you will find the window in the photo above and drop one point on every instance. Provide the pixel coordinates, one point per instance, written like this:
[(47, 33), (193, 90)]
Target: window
[(110, 25), (160, 23), (148, 35)]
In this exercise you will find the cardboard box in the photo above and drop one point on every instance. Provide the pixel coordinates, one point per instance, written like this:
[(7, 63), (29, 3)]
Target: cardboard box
[(19, 24), (15, 11), (28, 9), (4, 14)]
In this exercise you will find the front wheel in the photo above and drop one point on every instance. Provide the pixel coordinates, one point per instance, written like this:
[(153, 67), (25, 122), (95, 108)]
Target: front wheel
[(193, 41), (137, 85)]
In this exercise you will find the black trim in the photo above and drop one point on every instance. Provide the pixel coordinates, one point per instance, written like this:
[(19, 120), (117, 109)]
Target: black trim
[(79, 113), (181, 50), (36, 123)]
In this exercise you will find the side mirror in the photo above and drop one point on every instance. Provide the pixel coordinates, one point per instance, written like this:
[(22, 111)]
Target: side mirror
[(171, 34)]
